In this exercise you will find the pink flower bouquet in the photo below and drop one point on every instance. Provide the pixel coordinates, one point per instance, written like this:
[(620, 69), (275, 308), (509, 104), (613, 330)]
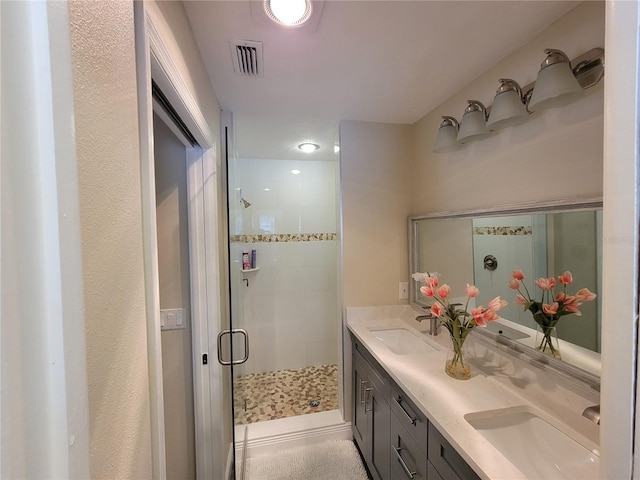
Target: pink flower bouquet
[(459, 322), (550, 307)]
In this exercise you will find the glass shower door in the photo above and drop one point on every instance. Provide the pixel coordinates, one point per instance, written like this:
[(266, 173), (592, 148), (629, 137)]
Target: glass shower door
[(283, 284), (233, 341)]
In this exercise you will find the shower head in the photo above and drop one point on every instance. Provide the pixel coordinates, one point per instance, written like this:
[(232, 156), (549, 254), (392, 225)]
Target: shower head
[(244, 203)]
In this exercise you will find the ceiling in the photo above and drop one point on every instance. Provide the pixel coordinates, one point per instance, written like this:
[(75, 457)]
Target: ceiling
[(376, 60)]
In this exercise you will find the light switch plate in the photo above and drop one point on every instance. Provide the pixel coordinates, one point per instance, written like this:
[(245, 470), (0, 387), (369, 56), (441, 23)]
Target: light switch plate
[(403, 290), (172, 319)]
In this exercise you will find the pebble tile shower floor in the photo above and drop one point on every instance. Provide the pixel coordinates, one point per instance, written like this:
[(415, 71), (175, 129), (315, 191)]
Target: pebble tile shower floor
[(285, 393)]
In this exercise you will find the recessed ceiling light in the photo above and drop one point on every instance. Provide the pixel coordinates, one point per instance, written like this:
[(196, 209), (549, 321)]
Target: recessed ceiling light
[(267, 189), (308, 147), (295, 171), (336, 148), (290, 13)]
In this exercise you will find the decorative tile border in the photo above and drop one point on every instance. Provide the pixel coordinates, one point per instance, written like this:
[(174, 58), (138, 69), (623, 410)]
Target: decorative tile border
[(502, 230), (283, 237)]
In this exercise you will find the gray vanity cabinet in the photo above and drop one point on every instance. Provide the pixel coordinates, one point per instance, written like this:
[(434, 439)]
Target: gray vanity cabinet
[(447, 462), (371, 412), (394, 437)]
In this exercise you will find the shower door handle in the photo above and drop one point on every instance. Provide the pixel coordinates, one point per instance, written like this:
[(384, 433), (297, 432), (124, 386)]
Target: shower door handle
[(246, 346)]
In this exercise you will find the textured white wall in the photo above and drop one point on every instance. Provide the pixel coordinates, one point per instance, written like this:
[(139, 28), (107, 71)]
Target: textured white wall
[(102, 36)]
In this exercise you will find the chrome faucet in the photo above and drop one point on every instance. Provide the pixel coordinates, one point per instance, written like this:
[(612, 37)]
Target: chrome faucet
[(592, 413)]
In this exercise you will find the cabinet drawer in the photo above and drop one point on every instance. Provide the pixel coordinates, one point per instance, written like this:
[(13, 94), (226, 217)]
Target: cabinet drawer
[(410, 417), (408, 461), (446, 460)]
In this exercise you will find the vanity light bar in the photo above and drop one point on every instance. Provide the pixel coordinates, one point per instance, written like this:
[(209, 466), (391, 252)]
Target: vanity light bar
[(588, 71)]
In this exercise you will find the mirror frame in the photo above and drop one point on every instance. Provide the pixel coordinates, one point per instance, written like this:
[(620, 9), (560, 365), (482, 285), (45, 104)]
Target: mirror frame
[(512, 347)]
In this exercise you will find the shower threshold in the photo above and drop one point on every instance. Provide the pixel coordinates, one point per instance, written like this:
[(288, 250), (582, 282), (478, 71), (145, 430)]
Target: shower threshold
[(275, 435)]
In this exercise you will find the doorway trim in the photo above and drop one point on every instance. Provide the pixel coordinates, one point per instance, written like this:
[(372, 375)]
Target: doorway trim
[(153, 61)]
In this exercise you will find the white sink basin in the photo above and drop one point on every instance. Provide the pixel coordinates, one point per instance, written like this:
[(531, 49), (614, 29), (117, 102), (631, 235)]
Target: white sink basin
[(402, 341), (535, 446)]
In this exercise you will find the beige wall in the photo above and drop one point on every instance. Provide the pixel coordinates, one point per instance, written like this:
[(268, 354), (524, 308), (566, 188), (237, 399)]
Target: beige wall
[(375, 179), (390, 172), (173, 266), (106, 121), (555, 154)]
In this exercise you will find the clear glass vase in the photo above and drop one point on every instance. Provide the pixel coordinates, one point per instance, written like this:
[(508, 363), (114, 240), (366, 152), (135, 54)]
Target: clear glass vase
[(547, 341), (456, 365)]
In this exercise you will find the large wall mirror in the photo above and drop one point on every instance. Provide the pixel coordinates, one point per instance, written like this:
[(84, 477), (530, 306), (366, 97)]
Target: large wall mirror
[(542, 240)]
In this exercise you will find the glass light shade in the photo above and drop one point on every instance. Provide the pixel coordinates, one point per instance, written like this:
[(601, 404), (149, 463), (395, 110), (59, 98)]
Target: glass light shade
[(556, 86), (288, 12), (474, 123), (508, 108), (446, 140)]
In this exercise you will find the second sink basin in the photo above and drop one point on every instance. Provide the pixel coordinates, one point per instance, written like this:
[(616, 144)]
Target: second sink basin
[(402, 341), (535, 446)]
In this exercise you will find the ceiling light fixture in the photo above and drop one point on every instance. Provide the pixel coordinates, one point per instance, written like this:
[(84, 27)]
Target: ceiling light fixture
[(336, 148), (295, 171), (289, 13), (308, 147)]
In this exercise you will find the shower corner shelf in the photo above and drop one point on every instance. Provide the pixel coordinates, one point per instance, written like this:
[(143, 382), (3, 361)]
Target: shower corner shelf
[(249, 270)]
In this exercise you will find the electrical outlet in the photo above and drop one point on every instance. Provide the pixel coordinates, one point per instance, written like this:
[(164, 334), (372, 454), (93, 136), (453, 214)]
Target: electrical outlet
[(403, 290)]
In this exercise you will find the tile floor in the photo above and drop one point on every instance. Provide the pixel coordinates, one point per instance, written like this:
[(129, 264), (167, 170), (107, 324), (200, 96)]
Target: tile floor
[(285, 393)]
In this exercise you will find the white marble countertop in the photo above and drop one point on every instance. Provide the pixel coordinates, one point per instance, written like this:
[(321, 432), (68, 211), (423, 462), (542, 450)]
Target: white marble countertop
[(497, 381)]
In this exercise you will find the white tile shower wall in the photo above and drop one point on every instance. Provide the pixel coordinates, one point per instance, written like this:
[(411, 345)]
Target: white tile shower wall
[(286, 203), (512, 252), (289, 307)]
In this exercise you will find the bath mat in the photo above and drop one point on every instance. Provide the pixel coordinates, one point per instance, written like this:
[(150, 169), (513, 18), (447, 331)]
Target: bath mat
[(333, 460)]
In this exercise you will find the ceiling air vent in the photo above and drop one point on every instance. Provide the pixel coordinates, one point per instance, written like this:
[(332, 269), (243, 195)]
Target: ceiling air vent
[(247, 57)]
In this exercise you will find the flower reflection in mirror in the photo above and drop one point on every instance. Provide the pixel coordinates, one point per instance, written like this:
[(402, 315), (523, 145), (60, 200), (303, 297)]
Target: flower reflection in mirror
[(550, 307)]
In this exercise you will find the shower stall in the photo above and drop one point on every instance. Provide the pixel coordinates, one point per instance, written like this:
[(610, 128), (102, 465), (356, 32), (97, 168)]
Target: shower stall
[(284, 277)]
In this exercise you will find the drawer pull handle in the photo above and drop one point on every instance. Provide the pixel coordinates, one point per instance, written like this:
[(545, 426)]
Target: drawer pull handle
[(367, 391), (413, 420), (363, 383), (406, 469)]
